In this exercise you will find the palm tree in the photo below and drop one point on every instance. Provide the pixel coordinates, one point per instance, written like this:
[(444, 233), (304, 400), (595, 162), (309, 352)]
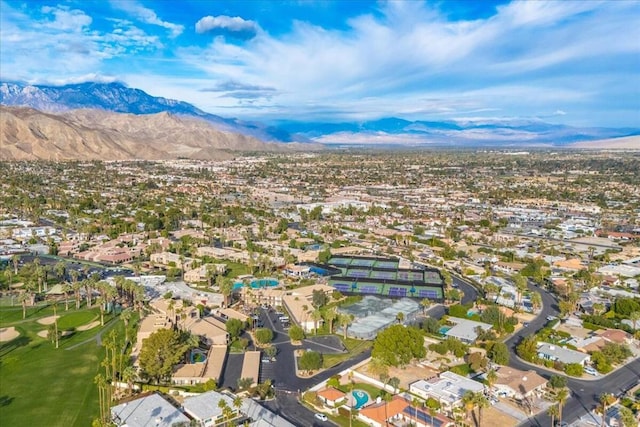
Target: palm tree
[(66, 288), (55, 323), (225, 287), (606, 400), (394, 382), (223, 405), (553, 413), (492, 377), (330, 315), (126, 317), (481, 402), (345, 322), (24, 297), (468, 400), (237, 404), (316, 316), (60, 269), (425, 303), (129, 375), (561, 398), (15, 260)]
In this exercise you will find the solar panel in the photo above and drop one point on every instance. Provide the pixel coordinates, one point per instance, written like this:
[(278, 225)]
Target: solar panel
[(423, 416)]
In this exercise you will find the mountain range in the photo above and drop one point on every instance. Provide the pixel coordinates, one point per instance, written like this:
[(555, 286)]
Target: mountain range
[(29, 134), (117, 97)]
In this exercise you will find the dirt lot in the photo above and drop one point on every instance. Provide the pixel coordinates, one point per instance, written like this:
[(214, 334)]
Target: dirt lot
[(491, 417), (407, 375)]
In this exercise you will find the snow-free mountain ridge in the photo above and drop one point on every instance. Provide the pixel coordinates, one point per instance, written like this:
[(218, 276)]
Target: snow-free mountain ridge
[(117, 97)]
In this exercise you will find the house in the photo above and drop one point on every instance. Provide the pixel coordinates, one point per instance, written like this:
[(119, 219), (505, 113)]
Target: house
[(259, 416), (379, 414), (331, 397), (553, 352), (147, 411), (616, 336), (205, 408), (298, 303), (466, 330), (448, 389), (251, 366), (202, 273), (518, 384), (169, 258), (210, 329)]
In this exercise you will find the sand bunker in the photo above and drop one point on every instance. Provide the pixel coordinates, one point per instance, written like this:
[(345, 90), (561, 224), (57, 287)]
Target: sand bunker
[(7, 334), (45, 333), (88, 326), (48, 320)]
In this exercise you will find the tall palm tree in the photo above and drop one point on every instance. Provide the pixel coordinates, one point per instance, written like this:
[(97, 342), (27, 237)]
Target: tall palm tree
[(66, 289), (129, 376), (553, 413), (316, 316), (606, 400), (223, 405), (330, 315), (468, 400), (481, 402), (395, 383), (55, 323), (345, 322), (237, 404), (561, 398), (126, 317), (15, 260), (425, 303), (492, 377)]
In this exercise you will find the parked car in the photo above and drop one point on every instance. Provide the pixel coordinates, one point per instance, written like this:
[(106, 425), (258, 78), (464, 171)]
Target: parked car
[(591, 371), (321, 417)]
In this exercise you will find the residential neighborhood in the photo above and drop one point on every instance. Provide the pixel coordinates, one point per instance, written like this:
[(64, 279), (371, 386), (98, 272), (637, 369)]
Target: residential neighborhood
[(302, 300)]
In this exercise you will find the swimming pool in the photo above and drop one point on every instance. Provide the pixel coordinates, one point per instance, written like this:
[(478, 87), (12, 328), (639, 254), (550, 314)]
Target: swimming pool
[(443, 329), (360, 398), (258, 283)]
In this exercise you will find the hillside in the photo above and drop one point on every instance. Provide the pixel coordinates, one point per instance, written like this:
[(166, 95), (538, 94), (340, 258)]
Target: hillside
[(28, 134)]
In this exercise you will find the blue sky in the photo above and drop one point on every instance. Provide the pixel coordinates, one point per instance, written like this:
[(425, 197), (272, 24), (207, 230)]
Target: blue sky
[(561, 61)]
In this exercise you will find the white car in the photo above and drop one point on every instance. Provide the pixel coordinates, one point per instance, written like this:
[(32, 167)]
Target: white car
[(321, 417)]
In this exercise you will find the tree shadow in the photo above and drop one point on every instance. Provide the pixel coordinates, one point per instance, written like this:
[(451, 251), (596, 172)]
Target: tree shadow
[(9, 346), (5, 401)]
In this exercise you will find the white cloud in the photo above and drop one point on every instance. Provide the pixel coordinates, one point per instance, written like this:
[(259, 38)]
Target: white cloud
[(524, 58), (226, 23), (146, 15), (66, 19)]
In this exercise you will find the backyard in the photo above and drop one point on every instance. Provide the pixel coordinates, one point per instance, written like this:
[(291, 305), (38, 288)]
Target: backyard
[(44, 385)]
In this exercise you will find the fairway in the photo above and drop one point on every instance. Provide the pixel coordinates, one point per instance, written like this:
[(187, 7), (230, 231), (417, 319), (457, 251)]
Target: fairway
[(42, 385)]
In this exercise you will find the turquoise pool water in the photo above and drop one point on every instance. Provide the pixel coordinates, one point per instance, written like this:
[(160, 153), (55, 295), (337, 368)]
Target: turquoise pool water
[(443, 330), (360, 397), (258, 283)]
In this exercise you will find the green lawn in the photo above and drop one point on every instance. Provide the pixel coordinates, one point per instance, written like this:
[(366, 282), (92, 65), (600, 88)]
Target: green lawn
[(42, 385), (353, 346)]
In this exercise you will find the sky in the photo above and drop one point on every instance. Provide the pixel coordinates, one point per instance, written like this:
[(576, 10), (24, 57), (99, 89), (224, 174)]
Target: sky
[(568, 62)]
